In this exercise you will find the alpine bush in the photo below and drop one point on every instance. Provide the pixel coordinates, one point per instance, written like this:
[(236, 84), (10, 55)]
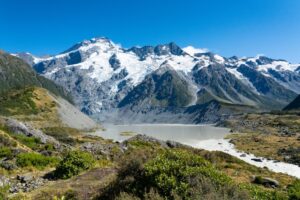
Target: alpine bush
[(74, 163), (35, 160)]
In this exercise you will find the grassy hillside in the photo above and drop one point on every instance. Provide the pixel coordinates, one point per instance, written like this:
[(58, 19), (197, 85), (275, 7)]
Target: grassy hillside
[(30, 104), (16, 74), (41, 109)]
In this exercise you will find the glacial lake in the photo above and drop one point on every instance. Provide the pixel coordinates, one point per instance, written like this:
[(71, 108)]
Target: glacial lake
[(185, 134), (206, 137)]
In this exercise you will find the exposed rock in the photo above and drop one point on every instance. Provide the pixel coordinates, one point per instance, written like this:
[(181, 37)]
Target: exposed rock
[(256, 159), (27, 130), (145, 138), (4, 181), (285, 131), (24, 178), (26, 183), (8, 165), (291, 155), (173, 144), (265, 181), (99, 149)]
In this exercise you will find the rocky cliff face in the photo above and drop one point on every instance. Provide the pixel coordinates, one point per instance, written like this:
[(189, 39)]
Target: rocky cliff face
[(158, 81)]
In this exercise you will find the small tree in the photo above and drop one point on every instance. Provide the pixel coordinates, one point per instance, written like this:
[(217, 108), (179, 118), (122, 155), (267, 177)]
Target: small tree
[(74, 163)]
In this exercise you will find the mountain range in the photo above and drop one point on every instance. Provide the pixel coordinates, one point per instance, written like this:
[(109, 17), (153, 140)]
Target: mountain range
[(166, 83)]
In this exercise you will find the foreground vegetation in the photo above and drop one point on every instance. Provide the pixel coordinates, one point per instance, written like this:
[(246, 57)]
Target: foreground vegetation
[(148, 170)]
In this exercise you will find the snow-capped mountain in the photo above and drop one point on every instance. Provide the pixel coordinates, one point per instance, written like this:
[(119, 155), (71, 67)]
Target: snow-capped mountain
[(142, 83)]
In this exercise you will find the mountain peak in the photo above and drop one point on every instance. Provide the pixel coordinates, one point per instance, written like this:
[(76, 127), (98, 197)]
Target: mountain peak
[(102, 42), (170, 48)]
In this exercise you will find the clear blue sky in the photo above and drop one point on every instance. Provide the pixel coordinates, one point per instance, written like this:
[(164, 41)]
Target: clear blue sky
[(227, 27)]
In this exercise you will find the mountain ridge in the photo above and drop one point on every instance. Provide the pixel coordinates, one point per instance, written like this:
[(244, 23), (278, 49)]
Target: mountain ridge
[(101, 74)]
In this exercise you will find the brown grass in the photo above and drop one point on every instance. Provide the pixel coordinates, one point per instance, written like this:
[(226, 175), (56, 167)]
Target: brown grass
[(264, 145), (86, 185)]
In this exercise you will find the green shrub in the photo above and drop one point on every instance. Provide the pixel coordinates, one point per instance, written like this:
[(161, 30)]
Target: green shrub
[(5, 152), (258, 193), (171, 174), (49, 147), (35, 160), (174, 171), (18, 102), (294, 191), (74, 163), (31, 142)]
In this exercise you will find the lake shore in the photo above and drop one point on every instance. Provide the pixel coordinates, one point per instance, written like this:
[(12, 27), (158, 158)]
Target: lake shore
[(206, 137), (225, 146)]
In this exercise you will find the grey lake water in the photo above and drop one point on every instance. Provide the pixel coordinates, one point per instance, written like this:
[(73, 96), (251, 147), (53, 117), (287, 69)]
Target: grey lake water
[(206, 137), (186, 134)]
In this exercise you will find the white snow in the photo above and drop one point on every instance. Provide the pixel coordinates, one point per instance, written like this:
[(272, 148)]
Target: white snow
[(278, 66), (182, 63), (192, 50), (225, 146), (37, 59), (219, 59), (137, 69), (236, 73), (100, 50)]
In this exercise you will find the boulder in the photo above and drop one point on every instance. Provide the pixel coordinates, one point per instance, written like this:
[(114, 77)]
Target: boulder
[(26, 183), (24, 178), (27, 130), (256, 159), (8, 165), (265, 181)]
